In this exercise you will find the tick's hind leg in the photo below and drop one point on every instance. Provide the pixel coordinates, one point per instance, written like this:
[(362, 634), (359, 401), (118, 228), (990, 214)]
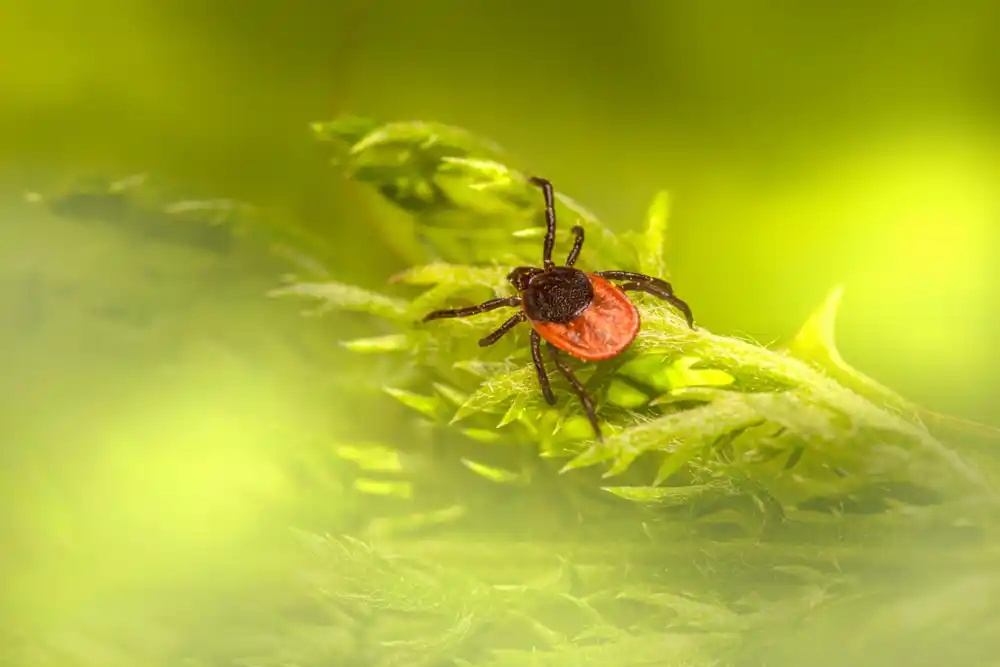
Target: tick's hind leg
[(581, 392), (504, 328), (650, 285), (666, 296), (543, 378), (484, 307)]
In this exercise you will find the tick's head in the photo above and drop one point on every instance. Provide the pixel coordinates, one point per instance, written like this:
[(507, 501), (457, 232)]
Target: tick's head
[(560, 294), (521, 276)]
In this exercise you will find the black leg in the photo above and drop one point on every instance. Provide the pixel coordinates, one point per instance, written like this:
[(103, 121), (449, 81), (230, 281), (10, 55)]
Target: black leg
[(504, 328), (484, 307), (585, 400), (550, 220), (649, 288), (655, 286), (543, 378), (639, 278), (577, 246)]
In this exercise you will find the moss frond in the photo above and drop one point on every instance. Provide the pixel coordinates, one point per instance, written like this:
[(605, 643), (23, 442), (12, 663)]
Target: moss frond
[(686, 407), (741, 491)]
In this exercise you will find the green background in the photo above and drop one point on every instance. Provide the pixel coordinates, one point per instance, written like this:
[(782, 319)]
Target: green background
[(805, 145)]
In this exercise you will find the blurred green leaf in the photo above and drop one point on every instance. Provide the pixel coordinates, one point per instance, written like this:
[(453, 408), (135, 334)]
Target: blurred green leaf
[(655, 240), (337, 296), (491, 472)]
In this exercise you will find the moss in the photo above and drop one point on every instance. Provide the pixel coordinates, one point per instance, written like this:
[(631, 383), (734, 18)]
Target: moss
[(745, 500)]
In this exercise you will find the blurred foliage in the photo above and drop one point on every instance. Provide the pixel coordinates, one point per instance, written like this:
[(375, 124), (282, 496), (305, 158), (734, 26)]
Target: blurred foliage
[(748, 501), (154, 406)]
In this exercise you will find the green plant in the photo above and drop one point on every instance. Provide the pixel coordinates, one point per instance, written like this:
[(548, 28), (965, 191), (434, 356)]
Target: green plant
[(704, 414), (748, 504), (772, 484)]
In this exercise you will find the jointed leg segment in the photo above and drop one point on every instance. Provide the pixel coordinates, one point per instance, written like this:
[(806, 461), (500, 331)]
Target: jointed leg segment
[(638, 282), (578, 388), (550, 220), (577, 246), (484, 307), (543, 378), (504, 328)]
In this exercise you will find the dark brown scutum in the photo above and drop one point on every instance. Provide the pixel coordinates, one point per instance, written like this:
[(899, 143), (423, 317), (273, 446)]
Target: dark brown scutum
[(558, 295)]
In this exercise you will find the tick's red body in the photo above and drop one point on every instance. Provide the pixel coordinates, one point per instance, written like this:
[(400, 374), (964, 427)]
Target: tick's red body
[(604, 330)]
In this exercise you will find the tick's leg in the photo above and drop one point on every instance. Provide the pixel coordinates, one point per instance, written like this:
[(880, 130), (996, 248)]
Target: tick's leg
[(655, 290), (581, 393), (550, 220), (650, 285), (486, 306), (504, 328), (577, 246), (639, 278), (543, 378)]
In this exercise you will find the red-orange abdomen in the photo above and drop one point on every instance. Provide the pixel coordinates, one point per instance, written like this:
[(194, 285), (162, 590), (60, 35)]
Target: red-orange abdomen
[(603, 331)]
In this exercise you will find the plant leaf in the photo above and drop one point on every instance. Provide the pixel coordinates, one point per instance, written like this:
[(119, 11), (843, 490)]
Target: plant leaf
[(653, 246), (660, 495), (378, 344), (337, 296), (425, 405), (492, 472), (498, 390)]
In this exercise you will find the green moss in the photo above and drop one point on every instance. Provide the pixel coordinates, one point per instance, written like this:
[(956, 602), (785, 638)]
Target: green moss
[(741, 492), (803, 403)]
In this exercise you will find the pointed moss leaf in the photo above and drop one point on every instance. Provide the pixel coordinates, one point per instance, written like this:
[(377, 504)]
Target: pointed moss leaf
[(644, 368), (348, 129), (486, 173), (397, 525), (381, 487), (816, 338), (425, 405), (593, 455), (957, 425), (485, 369), (676, 460), (816, 343), (429, 138), (625, 395), (497, 390), (660, 495), (688, 394), (435, 298), (481, 434), (492, 472), (370, 457), (577, 427), (454, 396), (695, 613), (337, 296), (654, 241), (378, 344), (697, 427), (455, 274), (516, 410), (798, 414), (530, 233), (680, 374), (484, 185)]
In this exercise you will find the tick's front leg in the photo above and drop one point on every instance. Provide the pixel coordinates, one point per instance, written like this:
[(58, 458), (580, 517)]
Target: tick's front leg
[(484, 307)]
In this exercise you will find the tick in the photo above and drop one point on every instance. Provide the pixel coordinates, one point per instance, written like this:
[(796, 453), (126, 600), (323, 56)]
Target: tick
[(583, 314)]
